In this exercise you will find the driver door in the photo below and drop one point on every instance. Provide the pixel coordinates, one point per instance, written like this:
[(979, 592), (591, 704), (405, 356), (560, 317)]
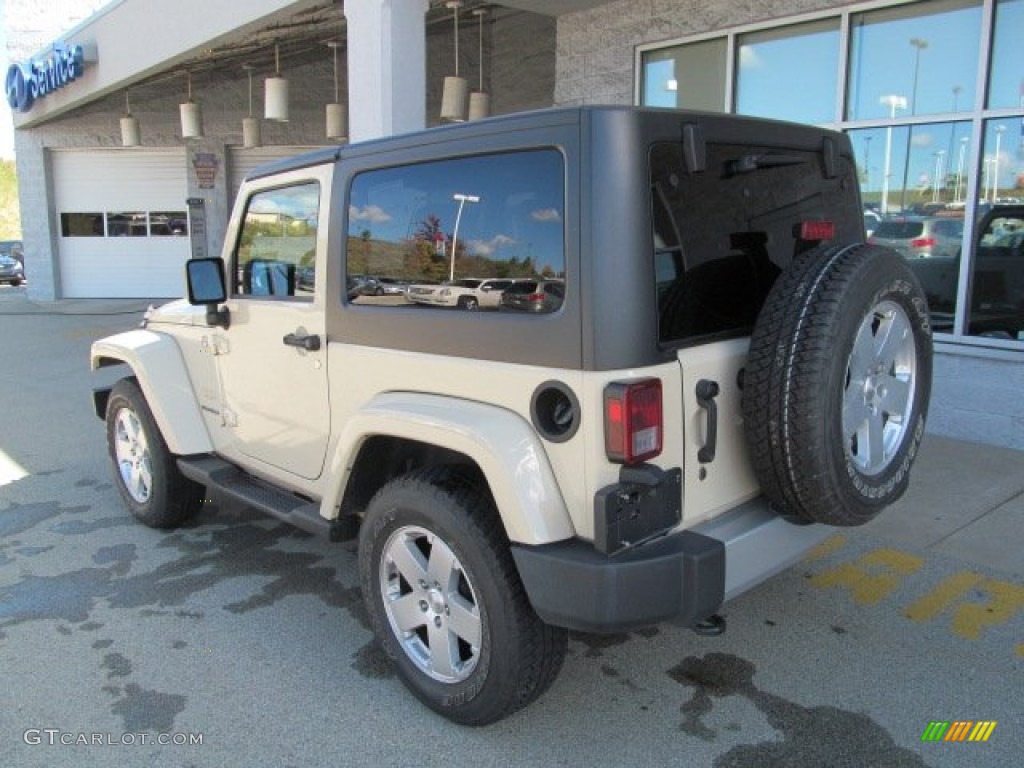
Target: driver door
[(272, 361)]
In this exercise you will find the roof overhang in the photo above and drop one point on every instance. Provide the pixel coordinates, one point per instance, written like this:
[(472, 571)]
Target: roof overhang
[(553, 7)]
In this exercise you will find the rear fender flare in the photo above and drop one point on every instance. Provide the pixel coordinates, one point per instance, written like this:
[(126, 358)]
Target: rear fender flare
[(500, 442)]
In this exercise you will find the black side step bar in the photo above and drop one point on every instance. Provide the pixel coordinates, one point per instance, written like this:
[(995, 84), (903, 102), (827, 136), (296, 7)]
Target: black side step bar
[(229, 481)]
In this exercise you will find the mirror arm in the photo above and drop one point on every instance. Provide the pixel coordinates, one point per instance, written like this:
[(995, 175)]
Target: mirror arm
[(218, 316)]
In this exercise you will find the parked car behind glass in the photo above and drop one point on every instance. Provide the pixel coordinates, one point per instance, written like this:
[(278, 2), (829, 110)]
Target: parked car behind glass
[(916, 238), (534, 295)]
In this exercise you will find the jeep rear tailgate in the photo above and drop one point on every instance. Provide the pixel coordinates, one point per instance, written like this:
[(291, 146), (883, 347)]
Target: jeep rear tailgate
[(716, 466)]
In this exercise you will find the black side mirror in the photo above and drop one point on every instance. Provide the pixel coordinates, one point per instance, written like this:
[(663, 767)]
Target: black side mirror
[(206, 286)]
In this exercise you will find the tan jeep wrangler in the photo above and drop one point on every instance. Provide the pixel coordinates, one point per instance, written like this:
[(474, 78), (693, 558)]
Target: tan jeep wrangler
[(727, 371)]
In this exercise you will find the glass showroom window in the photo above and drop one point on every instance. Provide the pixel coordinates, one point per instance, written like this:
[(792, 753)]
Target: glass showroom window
[(996, 301), (1006, 84), (916, 169), (691, 76), (771, 61), (919, 59)]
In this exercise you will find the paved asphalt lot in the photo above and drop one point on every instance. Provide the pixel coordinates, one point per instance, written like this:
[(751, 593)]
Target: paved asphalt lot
[(251, 637)]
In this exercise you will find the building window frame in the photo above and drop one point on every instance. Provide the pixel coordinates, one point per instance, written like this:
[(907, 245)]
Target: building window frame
[(977, 114)]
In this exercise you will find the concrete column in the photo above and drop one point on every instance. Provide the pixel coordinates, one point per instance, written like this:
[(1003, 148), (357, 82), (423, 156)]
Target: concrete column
[(386, 67)]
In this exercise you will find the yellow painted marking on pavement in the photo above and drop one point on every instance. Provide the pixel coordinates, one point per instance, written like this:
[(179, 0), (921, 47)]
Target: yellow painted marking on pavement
[(826, 548), (970, 618), (872, 577), (1020, 650)]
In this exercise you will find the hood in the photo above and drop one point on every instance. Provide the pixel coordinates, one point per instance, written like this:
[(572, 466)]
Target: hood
[(178, 312)]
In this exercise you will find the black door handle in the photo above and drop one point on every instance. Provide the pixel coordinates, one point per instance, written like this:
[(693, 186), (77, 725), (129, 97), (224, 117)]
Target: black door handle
[(707, 391), (308, 343)]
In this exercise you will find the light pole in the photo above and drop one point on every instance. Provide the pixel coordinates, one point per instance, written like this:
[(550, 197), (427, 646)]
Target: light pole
[(960, 167), (939, 173), (463, 199), (894, 102), (867, 163), (919, 44), (1000, 130)]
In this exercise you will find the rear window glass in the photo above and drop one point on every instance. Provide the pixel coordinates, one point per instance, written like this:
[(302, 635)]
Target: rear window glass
[(899, 230), (721, 236), (522, 286)]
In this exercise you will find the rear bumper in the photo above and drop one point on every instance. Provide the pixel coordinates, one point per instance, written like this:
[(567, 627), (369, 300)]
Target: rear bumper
[(683, 577)]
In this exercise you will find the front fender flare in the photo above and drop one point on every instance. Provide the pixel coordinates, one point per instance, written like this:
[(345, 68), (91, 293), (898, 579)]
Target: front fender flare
[(501, 443), (155, 358)]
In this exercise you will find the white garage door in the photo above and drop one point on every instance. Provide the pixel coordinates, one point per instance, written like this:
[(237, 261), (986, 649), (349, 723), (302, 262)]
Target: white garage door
[(122, 221)]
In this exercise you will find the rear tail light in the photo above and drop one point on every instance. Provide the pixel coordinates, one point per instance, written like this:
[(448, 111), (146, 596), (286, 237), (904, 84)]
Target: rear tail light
[(633, 420), (535, 297), (817, 230), (922, 242)]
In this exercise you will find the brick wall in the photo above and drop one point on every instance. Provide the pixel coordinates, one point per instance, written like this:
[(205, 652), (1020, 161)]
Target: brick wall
[(976, 396)]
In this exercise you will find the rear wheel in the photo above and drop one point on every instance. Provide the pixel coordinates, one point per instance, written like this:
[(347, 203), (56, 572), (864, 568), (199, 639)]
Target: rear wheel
[(144, 470), (837, 384), (446, 602)]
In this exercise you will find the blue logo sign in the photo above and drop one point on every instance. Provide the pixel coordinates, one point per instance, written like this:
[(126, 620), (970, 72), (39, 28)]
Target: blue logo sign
[(33, 80)]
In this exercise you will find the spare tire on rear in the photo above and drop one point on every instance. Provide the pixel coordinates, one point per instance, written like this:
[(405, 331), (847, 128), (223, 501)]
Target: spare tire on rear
[(836, 387)]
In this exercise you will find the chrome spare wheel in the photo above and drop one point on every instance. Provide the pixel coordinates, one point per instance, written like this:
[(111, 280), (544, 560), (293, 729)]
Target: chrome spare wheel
[(430, 604), (879, 394), (132, 455)]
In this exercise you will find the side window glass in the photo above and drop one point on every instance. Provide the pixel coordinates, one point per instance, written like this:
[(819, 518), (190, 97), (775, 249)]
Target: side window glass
[(276, 251), (458, 233)]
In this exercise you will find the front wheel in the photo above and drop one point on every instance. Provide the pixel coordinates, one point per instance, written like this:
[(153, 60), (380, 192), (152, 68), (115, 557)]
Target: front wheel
[(144, 470), (446, 602)]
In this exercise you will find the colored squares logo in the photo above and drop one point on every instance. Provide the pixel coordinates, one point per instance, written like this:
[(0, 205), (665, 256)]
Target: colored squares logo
[(958, 730)]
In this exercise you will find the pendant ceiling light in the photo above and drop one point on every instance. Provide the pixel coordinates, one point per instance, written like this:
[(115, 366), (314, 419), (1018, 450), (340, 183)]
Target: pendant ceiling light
[(479, 100), (275, 101), (191, 115), (453, 99), (250, 125), (131, 136), (337, 119)]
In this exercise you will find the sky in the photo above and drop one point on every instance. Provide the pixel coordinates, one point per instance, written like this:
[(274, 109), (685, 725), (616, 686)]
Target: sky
[(60, 16), (6, 124)]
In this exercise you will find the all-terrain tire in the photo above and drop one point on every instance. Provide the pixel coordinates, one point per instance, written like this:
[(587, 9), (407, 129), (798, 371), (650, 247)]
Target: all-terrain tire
[(837, 384), (446, 602), (145, 472)]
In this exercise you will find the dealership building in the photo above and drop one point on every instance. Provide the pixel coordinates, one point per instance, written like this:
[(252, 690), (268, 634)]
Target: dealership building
[(135, 128)]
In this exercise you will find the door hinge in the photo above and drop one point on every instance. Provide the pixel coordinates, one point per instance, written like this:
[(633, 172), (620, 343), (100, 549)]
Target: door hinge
[(214, 345)]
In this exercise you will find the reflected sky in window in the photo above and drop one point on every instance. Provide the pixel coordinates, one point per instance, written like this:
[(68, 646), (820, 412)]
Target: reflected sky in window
[(517, 211), (770, 62), (1006, 89), (912, 166), (925, 53)]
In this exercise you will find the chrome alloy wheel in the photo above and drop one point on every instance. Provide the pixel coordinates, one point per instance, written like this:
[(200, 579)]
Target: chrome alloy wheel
[(132, 455), (880, 383), (430, 604)]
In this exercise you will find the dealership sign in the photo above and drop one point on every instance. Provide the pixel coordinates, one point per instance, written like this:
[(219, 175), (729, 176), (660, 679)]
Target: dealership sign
[(37, 78)]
